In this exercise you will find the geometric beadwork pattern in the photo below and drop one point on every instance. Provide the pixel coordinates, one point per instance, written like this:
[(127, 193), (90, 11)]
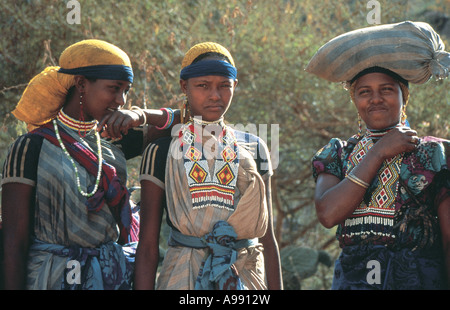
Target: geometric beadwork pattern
[(380, 209), (360, 151), (189, 137), (197, 173), (193, 154), (228, 154), (225, 175), (215, 188), (384, 195)]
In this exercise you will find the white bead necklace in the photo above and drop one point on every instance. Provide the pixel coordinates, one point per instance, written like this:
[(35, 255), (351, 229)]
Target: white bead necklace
[(100, 161), (200, 121)]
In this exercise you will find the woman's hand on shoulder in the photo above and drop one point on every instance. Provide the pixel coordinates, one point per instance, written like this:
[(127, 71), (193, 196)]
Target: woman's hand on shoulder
[(396, 141)]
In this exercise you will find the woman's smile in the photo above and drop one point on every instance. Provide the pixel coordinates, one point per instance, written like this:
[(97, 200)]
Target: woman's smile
[(378, 99), (377, 109)]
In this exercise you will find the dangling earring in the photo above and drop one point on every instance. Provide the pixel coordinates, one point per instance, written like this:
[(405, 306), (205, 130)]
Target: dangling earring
[(185, 113), (404, 116), (359, 125), (81, 117)]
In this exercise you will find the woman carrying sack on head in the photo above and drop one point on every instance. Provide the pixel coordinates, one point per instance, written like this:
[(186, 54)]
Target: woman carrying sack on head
[(65, 208), (387, 189), (216, 195)]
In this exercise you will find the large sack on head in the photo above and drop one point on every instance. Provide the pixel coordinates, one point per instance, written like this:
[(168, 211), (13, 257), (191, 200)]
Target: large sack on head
[(413, 50)]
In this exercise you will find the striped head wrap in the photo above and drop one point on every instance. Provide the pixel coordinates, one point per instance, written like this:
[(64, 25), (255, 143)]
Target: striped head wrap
[(46, 93), (190, 69), (412, 50)]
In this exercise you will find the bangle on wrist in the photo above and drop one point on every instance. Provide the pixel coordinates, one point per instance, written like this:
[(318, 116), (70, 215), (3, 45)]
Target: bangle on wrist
[(357, 180), (141, 113), (170, 117)]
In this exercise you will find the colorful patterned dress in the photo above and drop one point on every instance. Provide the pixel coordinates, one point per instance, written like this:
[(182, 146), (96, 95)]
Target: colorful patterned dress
[(65, 231), (189, 214), (396, 225)]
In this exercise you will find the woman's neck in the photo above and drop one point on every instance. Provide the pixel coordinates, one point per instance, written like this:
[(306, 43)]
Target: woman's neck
[(200, 121), (378, 133), (75, 124)]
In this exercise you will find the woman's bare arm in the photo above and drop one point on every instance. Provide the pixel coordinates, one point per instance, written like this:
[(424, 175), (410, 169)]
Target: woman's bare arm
[(336, 199), (147, 253), (17, 202), (271, 251), (444, 221)]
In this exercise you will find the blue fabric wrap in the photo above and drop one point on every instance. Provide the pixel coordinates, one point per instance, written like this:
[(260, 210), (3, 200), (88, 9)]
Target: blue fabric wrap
[(217, 271), (209, 67), (102, 268), (398, 270), (103, 72), (376, 69)]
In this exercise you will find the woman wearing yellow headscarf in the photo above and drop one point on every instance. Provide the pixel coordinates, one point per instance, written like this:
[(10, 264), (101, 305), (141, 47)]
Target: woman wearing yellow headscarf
[(214, 183), (66, 210)]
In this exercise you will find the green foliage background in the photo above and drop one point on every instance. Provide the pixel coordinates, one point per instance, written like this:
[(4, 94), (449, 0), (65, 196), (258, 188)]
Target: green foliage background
[(271, 41)]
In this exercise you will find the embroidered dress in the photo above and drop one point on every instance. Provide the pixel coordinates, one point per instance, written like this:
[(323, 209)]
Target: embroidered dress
[(376, 216), (64, 228), (245, 219), (396, 222)]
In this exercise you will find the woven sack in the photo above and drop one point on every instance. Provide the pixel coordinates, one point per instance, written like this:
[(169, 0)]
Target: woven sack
[(411, 49)]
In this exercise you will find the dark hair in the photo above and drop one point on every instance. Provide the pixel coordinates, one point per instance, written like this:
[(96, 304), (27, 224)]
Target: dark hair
[(212, 55)]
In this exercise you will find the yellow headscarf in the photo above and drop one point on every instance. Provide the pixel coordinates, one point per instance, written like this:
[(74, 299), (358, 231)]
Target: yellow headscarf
[(46, 92), (203, 48)]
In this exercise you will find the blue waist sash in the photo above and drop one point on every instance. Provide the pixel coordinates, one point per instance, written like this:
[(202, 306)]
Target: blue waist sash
[(101, 268), (178, 239), (217, 271)]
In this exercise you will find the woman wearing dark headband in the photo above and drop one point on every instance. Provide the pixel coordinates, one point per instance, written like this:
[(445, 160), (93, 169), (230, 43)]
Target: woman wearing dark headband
[(387, 189), (65, 208), (213, 182)]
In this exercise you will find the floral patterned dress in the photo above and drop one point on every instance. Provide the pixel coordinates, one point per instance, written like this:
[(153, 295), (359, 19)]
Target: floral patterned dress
[(395, 228)]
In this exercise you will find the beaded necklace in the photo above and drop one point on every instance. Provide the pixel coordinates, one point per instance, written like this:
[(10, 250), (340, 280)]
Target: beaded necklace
[(76, 124), (100, 157), (202, 122), (214, 189)]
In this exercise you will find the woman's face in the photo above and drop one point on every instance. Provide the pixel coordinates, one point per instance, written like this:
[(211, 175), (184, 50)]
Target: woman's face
[(209, 96), (103, 96), (378, 99)]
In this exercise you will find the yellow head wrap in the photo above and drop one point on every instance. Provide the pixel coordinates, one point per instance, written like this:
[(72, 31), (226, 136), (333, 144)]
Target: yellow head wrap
[(203, 48), (46, 92)]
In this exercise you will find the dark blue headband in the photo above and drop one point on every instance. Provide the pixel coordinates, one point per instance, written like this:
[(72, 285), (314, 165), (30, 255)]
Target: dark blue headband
[(209, 67), (103, 72), (376, 69)]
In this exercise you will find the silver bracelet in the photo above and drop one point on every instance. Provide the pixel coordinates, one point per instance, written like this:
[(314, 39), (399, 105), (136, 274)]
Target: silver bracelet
[(141, 113), (357, 180)]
